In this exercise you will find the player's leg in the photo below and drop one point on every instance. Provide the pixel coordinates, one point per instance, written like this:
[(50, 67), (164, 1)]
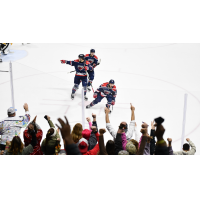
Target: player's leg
[(84, 84), (109, 103), (96, 101), (4, 48), (76, 84), (91, 78)]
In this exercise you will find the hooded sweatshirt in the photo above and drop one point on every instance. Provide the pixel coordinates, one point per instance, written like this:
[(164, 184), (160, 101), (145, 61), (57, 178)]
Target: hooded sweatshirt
[(191, 152)]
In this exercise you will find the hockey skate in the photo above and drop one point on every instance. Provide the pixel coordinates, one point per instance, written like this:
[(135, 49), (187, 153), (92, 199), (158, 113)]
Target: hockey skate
[(88, 88), (72, 96), (88, 106), (1, 60), (85, 98)]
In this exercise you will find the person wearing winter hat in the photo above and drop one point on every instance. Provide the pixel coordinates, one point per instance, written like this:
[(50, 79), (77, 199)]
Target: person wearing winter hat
[(12, 125), (50, 145), (130, 147), (31, 129), (123, 152), (83, 147), (86, 134)]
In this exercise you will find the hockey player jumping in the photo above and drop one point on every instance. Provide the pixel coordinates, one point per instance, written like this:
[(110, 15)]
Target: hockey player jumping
[(107, 90), (81, 67), (93, 62)]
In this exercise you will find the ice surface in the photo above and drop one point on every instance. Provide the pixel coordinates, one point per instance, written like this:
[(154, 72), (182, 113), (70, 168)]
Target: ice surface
[(153, 77)]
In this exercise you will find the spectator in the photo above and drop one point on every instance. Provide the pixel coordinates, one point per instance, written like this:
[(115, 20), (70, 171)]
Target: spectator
[(90, 137), (161, 146), (51, 144), (110, 145), (186, 149), (128, 131), (77, 132), (83, 146), (29, 131), (17, 147), (70, 146), (12, 125), (123, 152), (153, 141), (170, 146)]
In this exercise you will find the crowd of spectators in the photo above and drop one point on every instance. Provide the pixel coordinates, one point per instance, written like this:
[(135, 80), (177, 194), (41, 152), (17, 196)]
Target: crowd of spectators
[(127, 140)]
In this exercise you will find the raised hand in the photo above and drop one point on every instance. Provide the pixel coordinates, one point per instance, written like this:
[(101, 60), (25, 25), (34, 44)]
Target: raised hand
[(102, 131), (187, 139), (93, 115), (25, 107), (107, 110), (132, 107), (88, 119), (94, 128), (152, 125), (34, 120), (63, 61), (65, 131), (169, 141)]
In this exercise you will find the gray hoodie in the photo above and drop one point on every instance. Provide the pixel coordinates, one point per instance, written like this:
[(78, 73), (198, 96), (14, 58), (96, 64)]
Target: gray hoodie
[(191, 152)]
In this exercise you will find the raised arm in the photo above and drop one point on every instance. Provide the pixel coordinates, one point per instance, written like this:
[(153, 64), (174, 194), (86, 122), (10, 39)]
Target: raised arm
[(107, 111)]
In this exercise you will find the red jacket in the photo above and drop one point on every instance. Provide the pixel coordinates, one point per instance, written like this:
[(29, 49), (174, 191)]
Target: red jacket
[(94, 151), (27, 140)]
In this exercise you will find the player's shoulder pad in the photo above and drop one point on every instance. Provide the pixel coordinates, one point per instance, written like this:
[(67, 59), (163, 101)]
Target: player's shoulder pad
[(87, 55), (104, 84), (95, 57), (76, 60), (114, 88)]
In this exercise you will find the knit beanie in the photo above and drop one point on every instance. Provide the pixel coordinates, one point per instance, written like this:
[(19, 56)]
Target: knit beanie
[(83, 145), (130, 147), (86, 134), (123, 152)]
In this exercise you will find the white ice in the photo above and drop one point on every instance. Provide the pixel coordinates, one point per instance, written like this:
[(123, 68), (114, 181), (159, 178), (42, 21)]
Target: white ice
[(153, 77)]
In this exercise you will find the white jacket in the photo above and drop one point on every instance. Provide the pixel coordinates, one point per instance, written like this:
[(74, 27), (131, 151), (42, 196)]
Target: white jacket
[(11, 126), (132, 132), (191, 152)]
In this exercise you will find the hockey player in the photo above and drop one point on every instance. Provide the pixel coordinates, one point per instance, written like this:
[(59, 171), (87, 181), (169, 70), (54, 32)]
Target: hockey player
[(93, 62), (107, 90), (4, 48), (81, 67)]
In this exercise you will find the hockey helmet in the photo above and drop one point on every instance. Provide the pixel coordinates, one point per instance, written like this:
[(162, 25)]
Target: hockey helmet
[(92, 51), (81, 56), (112, 81)]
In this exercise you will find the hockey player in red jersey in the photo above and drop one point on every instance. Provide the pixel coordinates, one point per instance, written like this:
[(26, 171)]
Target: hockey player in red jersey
[(81, 68), (93, 62), (107, 90)]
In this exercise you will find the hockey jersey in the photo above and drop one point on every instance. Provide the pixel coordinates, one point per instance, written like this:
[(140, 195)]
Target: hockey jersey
[(80, 67), (92, 59), (105, 91)]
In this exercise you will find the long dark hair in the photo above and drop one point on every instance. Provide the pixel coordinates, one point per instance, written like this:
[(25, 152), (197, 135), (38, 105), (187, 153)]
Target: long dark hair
[(16, 145)]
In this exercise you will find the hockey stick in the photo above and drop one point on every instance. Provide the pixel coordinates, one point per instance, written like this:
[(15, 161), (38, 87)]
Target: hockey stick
[(3, 71), (71, 72)]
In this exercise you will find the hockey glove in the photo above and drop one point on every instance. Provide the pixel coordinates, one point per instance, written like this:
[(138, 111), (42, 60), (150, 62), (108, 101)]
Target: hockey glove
[(90, 68), (113, 103), (95, 95), (63, 61)]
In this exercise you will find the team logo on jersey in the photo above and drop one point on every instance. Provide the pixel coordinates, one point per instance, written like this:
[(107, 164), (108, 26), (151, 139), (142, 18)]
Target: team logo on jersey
[(106, 92), (91, 60), (80, 67)]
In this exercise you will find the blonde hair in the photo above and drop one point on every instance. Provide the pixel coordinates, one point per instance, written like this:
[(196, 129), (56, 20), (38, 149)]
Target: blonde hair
[(77, 132)]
